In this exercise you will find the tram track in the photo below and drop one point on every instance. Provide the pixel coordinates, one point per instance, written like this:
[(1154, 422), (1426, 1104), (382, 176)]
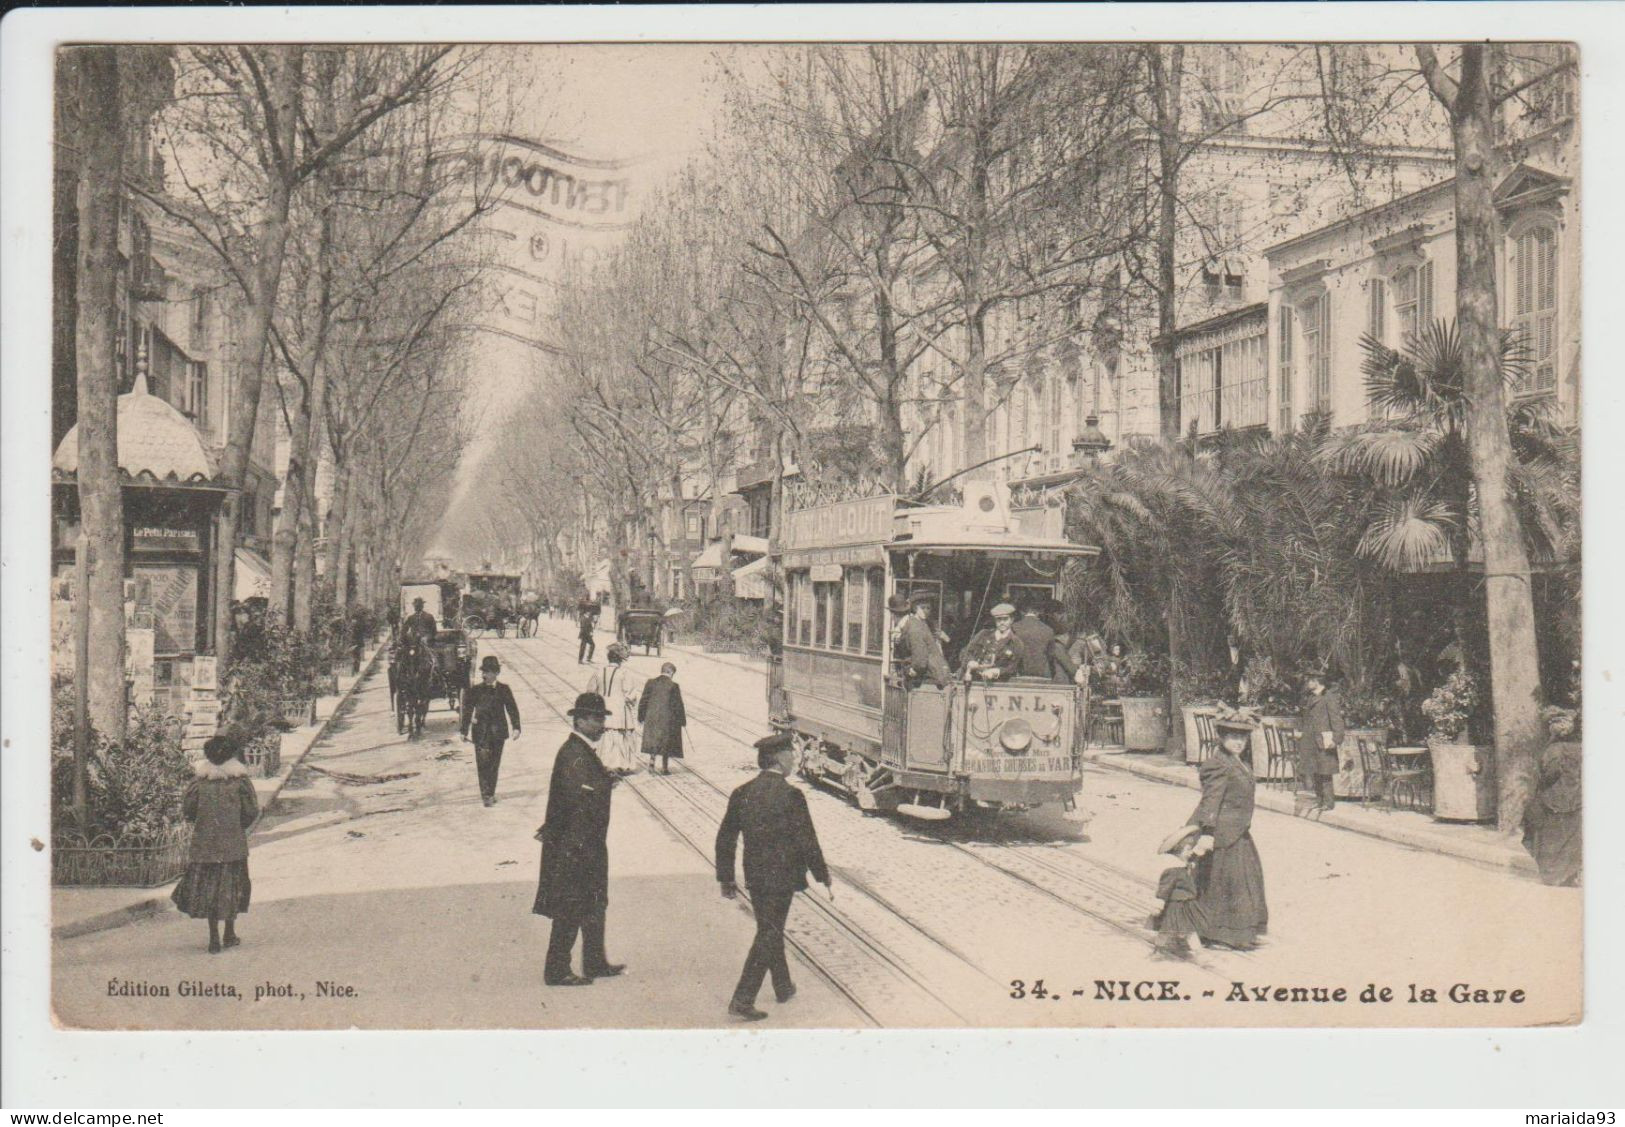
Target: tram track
[(889, 986), (1110, 900)]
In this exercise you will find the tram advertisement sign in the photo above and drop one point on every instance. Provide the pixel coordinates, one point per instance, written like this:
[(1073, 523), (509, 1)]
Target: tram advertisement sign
[(865, 520)]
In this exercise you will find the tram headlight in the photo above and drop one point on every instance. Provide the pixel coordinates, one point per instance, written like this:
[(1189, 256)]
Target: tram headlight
[(1015, 736)]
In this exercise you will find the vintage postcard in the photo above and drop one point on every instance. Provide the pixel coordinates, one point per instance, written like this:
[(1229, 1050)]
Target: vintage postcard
[(957, 535)]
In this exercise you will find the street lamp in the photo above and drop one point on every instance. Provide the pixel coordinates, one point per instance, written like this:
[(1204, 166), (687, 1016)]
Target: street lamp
[(1092, 443)]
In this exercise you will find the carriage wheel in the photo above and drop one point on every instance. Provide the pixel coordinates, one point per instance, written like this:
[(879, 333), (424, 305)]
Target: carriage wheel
[(474, 625)]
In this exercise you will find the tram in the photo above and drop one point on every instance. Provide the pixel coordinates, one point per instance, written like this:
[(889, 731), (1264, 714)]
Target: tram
[(858, 725)]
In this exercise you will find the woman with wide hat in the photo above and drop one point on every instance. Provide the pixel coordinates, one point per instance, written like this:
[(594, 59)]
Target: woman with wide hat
[(1229, 875)]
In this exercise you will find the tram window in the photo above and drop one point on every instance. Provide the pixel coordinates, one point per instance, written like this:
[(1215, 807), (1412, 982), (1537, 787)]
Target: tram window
[(836, 619), (821, 614), (876, 620), (855, 604)]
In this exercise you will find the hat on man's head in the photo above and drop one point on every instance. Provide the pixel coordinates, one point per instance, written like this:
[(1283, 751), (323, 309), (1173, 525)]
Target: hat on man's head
[(489, 661), (899, 604), (769, 747), (417, 602), (1004, 610), (589, 704)]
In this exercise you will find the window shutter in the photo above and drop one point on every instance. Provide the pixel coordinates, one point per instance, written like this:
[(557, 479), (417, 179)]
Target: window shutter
[(1379, 301), (1283, 368), (1424, 297), (1323, 389)]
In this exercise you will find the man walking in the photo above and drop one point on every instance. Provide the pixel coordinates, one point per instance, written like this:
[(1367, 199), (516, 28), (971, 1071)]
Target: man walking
[(781, 847), (660, 711), (574, 884), (587, 620), (916, 650), (489, 708), (1320, 734)]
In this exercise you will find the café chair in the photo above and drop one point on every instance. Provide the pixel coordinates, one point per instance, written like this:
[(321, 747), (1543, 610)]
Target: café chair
[(1281, 745), (1207, 738), (1410, 776), (1374, 766)]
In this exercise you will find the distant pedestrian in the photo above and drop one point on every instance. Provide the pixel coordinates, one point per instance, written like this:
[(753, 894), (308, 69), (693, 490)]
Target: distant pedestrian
[(1229, 874), (489, 708), (587, 619), (781, 848), (1320, 734), (574, 886), (1179, 917), (661, 712), (221, 805), (620, 689)]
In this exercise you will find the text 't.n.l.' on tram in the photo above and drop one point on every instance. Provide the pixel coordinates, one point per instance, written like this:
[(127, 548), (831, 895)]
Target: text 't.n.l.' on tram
[(861, 725)]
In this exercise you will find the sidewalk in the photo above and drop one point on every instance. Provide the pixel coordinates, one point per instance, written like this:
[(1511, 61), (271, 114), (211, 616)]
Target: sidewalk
[(1483, 845), (79, 911)]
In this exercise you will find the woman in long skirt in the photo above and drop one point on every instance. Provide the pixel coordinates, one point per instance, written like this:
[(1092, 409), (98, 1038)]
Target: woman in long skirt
[(1229, 875), (220, 804)]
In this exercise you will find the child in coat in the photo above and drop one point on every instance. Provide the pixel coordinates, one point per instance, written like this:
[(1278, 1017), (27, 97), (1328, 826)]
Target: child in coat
[(1179, 917), (221, 805)]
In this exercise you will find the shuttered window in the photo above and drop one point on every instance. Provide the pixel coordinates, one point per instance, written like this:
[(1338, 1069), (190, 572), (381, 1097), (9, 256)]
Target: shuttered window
[(1317, 361), (1376, 319), (875, 622), (1534, 305), (1283, 371)]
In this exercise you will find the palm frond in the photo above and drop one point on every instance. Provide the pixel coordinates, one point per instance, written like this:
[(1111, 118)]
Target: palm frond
[(1407, 533)]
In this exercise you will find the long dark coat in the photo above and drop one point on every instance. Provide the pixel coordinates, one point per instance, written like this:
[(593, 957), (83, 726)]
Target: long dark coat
[(490, 709), (575, 847), (1323, 714), (1229, 880), (781, 846), (1036, 638), (221, 805), (660, 711)]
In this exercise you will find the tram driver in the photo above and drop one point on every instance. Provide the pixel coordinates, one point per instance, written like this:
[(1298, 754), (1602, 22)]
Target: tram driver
[(994, 654)]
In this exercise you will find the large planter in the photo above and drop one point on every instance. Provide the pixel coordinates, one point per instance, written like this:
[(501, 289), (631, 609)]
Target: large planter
[(1145, 723), (297, 712), (1351, 780), (1463, 782), (122, 862)]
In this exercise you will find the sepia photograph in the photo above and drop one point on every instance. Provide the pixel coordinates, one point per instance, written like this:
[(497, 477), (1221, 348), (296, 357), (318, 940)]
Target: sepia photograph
[(813, 535)]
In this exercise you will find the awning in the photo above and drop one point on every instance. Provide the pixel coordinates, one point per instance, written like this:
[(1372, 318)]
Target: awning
[(750, 581), (252, 576), (712, 556)]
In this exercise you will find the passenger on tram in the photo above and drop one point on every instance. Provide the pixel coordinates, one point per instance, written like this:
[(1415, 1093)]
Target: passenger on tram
[(916, 650), (1036, 637), (994, 654)]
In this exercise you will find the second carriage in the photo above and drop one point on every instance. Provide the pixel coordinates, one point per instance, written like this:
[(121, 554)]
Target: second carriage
[(641, 627), (452, 654)]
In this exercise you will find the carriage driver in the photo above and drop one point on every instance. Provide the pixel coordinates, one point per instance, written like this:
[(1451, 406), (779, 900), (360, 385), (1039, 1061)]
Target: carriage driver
[(419, 622), (994, 654)]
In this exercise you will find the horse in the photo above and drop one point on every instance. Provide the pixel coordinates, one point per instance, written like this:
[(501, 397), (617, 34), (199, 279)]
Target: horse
[(414, 683)]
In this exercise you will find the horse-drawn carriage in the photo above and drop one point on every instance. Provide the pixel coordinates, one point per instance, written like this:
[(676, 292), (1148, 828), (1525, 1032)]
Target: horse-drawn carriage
[(423, 669), (641, 627), (491, 602)]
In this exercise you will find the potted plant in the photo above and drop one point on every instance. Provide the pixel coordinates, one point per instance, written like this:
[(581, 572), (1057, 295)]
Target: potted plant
[(1463, 773), (1144, 698), (1367, 716), (1205, 692)]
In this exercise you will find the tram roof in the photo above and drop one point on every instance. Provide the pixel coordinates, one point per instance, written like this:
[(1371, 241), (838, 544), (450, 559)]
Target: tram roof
[(975, 540)]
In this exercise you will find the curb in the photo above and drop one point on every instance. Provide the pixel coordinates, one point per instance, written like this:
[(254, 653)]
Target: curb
[(1488, 856), (151, 906)]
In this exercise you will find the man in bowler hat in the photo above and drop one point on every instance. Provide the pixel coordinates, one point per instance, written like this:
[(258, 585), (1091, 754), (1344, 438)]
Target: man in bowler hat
[(489, 709), (916, 650), (574, 885), (781, 847)]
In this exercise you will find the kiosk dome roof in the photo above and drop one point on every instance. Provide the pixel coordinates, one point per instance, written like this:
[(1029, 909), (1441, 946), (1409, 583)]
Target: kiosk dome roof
[(154, 441)]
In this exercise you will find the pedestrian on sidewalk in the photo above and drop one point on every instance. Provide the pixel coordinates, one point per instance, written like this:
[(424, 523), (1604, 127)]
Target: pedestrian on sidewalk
[(1232, 911), (221, 805), (1320, 734), (781, 847), (489, 708), (661, 712), (586, 620), (574, 886)]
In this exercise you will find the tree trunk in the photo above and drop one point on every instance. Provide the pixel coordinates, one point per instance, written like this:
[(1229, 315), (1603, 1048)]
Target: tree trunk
[(101, 502), (304, 585), (1514, 672), (267, 276), (337, 561), (1165, 88)]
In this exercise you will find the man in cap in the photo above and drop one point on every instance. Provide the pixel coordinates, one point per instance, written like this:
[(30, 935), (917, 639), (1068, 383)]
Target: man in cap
[(1036, 637), (915, 647), (489, 708), (994, 654), (781, 847), (419, 622), (574, 884)]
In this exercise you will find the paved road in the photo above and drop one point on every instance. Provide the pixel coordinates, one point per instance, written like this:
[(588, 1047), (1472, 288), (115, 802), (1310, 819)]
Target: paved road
[(408, 891)]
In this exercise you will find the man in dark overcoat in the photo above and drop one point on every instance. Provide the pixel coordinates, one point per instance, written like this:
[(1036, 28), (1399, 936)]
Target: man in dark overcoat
[(781, 847), (916, 649), (586, 620), (1320, 734), (489, 708), (660, 712), (419, 622), (1036, 637), (574, 885), (994, 654)]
